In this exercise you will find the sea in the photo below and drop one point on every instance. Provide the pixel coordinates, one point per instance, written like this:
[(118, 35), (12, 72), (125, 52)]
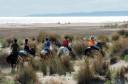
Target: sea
[(63, 20)]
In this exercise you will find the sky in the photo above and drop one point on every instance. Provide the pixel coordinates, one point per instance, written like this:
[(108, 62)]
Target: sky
[(30, 7)]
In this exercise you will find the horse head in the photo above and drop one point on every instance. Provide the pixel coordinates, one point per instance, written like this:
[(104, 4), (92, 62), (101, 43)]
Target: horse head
[(101, 44)]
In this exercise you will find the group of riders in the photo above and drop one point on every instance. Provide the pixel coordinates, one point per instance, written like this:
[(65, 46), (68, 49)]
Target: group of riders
[(47, 46), (29, 49)]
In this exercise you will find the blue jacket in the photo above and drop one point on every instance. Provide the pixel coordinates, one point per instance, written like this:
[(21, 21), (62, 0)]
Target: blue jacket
[(47, 45)]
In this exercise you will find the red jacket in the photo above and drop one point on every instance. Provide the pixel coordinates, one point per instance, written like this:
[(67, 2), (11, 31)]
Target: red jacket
[(65, 43)]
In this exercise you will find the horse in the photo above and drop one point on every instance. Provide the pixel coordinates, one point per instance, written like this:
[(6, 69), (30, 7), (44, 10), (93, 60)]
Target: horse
[(18, 58), (94, 50), (12, 60), (63, 51), (45, 54)]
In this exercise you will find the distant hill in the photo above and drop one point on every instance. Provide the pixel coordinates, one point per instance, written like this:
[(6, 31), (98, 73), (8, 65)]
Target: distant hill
[(98, 13)]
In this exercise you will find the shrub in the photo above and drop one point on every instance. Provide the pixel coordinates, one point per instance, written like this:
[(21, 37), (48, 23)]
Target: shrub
[(70, 37), (57, 65), (41, 37), (53, 65), (114, 59), (53, 37), (103, 38), (4, 80), (115, 36), (6, 42), (125, 58), (123, 33), (2, 43), (3, 62), (99, 65), (62, 65), (86, 74), (78, 47), (9, 40), (65, 60), (116, 47), (90, 69), (39, 65), (108, 82), (27, 76), (43, 67), (36, 64)]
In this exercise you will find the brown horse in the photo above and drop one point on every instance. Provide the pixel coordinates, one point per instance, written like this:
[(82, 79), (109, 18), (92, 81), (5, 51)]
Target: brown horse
[(91, 51), (16, 61), (47, 55)]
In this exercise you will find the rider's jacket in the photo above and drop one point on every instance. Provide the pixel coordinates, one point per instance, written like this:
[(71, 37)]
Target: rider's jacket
[(26, 47), (47, 45), (65, 43), (92, 42), (15, 47)]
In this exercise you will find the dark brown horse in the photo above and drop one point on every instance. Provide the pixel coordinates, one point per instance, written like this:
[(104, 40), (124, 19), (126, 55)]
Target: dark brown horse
[(91, 51), (16, 59)]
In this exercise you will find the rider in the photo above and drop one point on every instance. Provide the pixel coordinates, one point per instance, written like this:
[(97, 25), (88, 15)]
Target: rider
[(47, 45), (93, 42), (84, 42), (15, 48), (33, 47), (26, 46), (67, 43)]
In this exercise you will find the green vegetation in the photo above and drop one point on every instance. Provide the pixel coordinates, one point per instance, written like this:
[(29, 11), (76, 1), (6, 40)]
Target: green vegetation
[(94, 68), (27, 76)]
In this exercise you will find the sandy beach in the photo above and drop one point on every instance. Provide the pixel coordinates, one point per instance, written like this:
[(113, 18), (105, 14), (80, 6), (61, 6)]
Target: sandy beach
[(23, 30)]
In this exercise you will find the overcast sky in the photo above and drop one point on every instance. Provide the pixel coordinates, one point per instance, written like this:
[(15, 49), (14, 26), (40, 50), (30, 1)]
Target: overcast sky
[(30, 7)]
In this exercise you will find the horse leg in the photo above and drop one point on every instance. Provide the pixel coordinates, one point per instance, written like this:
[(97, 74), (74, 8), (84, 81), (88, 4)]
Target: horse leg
[(86, 51), (102, 52), (13, 67)]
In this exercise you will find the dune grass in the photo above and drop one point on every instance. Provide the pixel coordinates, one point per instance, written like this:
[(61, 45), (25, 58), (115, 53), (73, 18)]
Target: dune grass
[(27, 76), (55, 65)]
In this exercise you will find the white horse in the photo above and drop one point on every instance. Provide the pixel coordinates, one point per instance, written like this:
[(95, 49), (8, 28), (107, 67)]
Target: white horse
[(63, 51)]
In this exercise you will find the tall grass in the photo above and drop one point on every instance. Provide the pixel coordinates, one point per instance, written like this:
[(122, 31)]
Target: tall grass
[(4, 80), (27, 76), (119, 46), (86, 74), (62, 65), (123, 33), (53, 65), (103, 38), (41, 37), (78, 47), (91, 69), (115, 37)]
